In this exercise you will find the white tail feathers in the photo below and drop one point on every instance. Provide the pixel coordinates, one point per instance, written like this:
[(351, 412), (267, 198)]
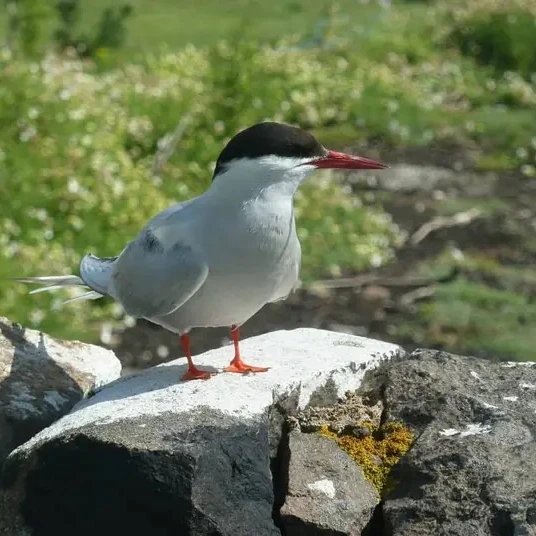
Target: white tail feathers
[(95, 275), (56, 282), (52, 280), (91, 295), (45, 289)]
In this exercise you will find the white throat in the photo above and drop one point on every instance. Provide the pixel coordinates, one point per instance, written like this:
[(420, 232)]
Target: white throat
[(267, 176)]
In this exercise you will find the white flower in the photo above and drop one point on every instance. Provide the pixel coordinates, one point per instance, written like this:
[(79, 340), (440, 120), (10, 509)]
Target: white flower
[(27, 134)]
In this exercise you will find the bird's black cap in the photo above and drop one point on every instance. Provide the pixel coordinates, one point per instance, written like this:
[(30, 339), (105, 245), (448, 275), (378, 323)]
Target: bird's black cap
[(269, 138)]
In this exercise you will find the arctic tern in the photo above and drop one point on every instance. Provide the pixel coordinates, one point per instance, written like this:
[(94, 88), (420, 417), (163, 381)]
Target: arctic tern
[(217, 259)]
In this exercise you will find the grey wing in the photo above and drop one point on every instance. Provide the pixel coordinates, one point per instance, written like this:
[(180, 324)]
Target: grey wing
[(151, 279)]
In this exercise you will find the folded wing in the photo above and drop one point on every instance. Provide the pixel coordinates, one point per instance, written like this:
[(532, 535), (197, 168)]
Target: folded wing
[(154, 276)]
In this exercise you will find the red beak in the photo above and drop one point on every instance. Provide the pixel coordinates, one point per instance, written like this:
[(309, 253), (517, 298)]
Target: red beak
[(335, 160)]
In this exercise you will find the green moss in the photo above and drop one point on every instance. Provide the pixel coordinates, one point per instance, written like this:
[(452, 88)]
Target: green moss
[(377, 452)]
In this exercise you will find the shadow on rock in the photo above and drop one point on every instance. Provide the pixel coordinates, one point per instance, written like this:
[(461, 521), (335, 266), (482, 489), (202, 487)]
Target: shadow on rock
[(154, 379), (34, 390)]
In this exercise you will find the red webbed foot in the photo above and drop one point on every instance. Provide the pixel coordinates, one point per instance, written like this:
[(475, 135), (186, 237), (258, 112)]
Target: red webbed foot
[(237, 365), (193, 373)]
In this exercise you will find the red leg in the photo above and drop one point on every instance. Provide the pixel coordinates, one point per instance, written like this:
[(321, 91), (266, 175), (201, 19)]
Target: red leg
[(193, 373), (237, 365)]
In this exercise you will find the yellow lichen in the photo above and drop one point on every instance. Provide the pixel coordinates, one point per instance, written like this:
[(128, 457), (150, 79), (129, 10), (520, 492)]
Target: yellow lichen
[(376, 452)]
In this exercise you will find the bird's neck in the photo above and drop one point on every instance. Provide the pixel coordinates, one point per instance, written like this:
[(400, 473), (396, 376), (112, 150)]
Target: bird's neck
[(253, 208), (238, 189)]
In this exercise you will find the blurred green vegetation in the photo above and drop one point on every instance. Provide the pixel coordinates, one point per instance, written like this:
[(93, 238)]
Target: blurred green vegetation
[(487, 311), (78, 135), (478, 319), (499, 33)]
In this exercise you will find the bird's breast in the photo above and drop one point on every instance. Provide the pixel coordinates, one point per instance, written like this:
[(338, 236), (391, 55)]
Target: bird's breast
[(253, 259), (255, 235), (252, 252)]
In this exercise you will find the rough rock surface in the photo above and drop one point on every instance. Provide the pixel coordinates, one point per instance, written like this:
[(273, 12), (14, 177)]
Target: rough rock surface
[(151, 455), (41, 379), (472, 469), (327, 494), (345, 417)]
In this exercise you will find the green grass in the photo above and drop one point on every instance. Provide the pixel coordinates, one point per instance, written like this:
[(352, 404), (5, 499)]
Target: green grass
[(487, 207), (175, 23), (488, 310), (476, 318)]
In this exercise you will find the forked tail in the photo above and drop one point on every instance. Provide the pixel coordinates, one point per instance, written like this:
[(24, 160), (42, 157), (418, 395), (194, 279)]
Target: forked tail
[(94, 277)]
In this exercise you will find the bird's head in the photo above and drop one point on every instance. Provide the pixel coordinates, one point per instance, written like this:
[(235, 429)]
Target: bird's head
[(269, 153)]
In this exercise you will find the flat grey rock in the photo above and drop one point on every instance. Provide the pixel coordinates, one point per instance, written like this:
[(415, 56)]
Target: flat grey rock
[(42, 378), (328, 494), (149, 454)]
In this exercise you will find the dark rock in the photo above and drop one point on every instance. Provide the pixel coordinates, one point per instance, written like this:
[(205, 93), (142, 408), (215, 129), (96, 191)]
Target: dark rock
[(41, 379), (472, 469), (150, 455), (159, 475), (327, 494)]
